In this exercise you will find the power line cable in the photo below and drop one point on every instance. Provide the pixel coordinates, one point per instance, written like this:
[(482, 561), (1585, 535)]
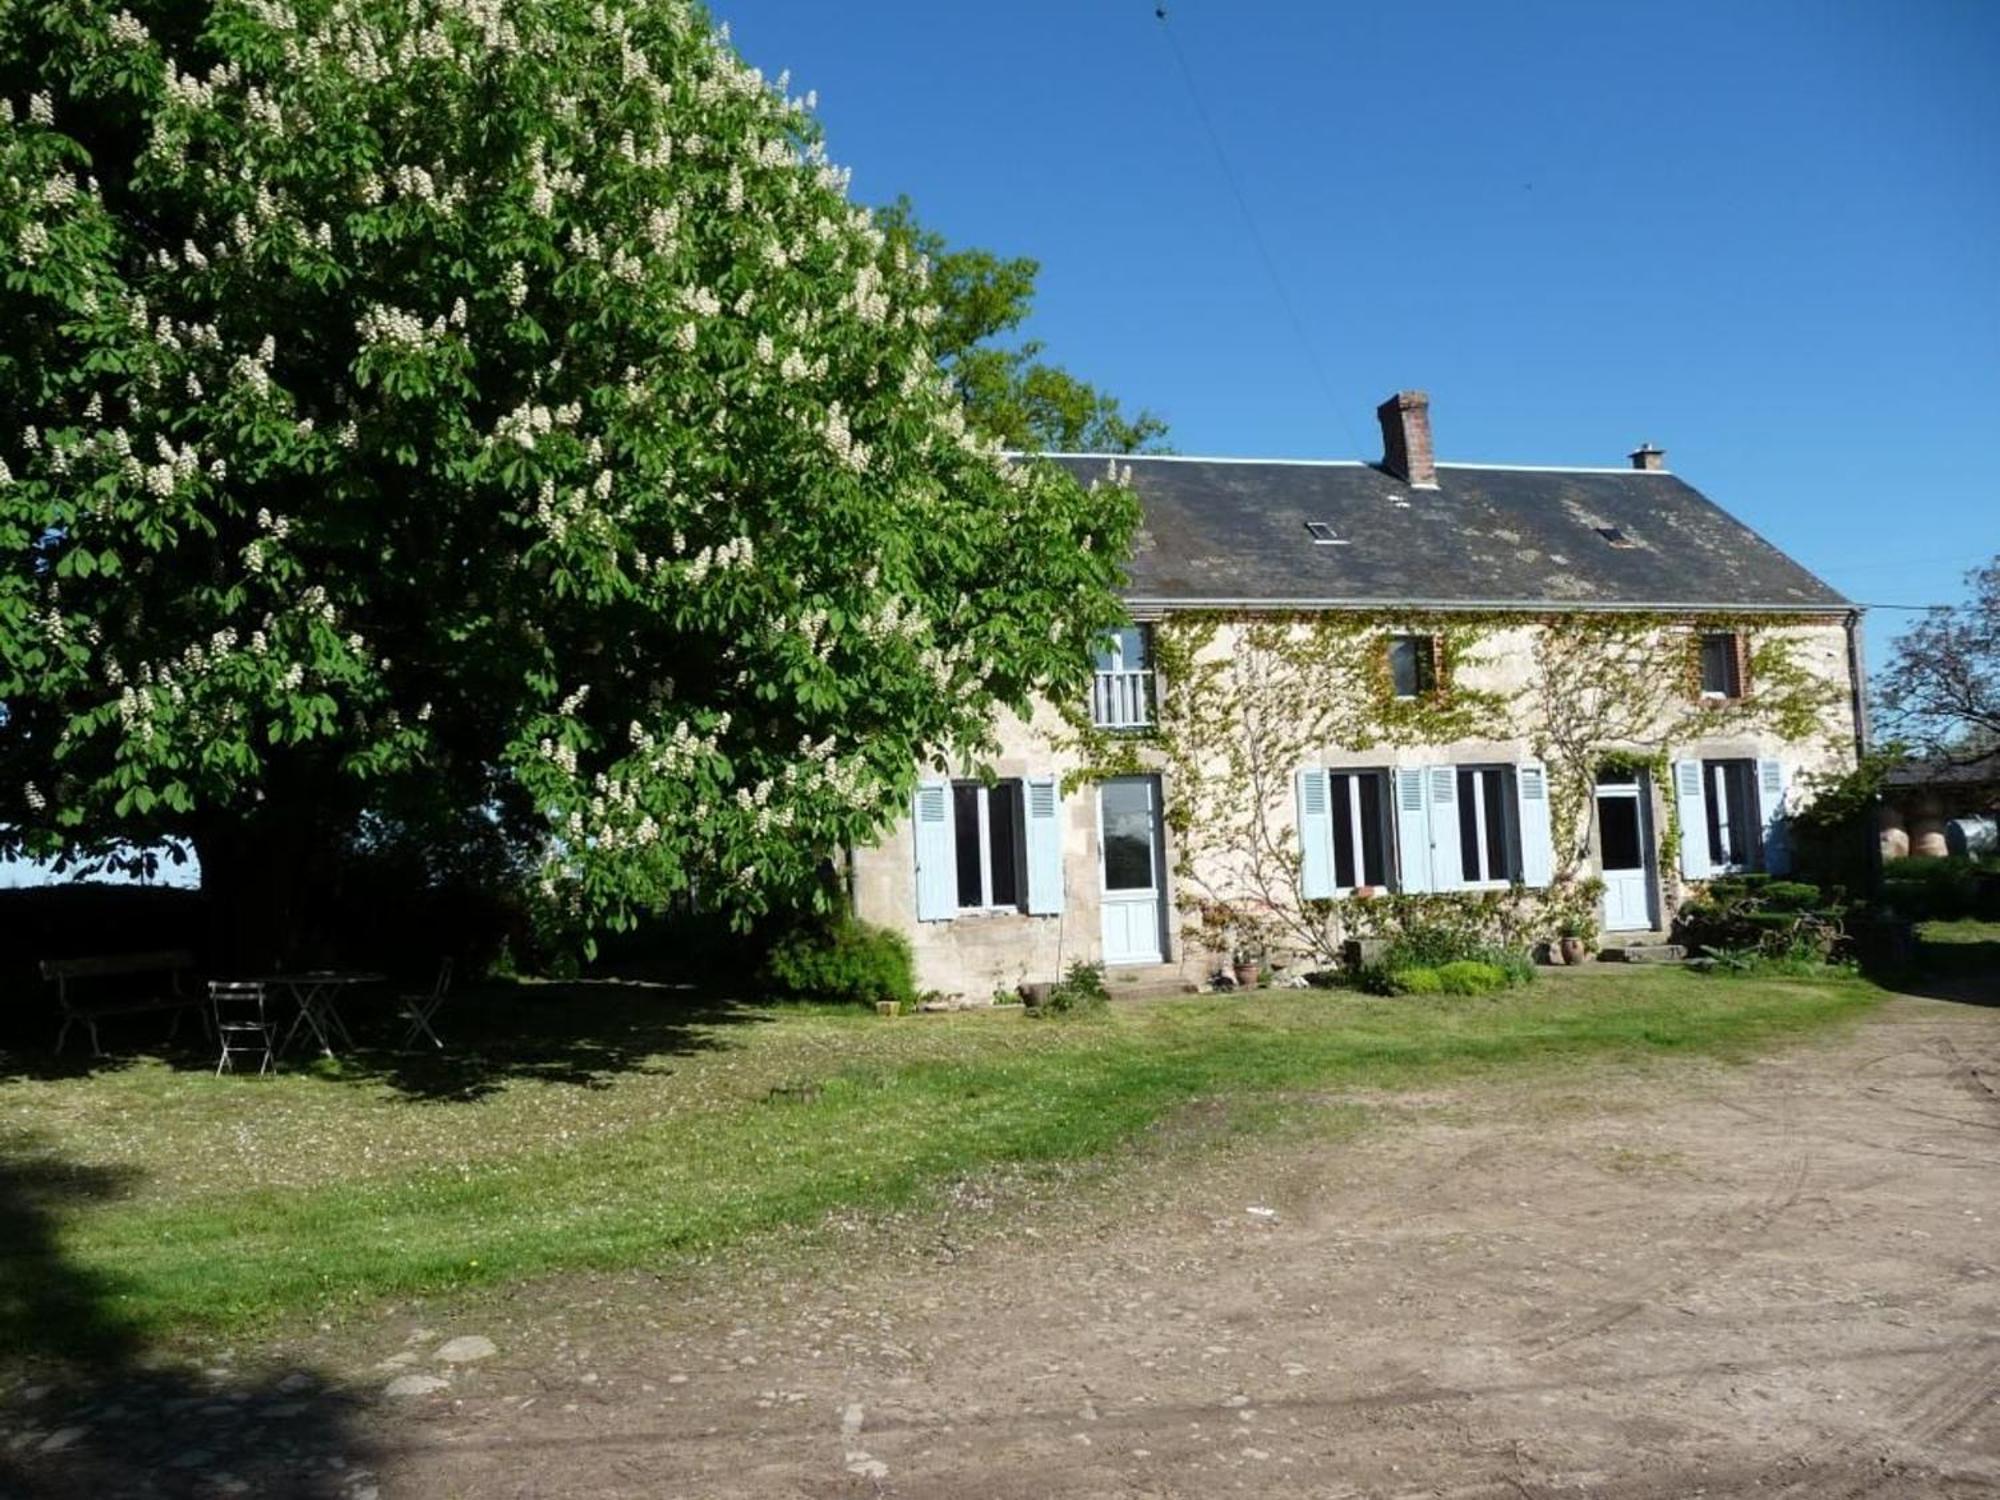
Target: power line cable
[(1256, 235)]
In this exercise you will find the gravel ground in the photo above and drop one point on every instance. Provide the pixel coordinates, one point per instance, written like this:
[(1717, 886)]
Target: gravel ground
[(1780, 1278)]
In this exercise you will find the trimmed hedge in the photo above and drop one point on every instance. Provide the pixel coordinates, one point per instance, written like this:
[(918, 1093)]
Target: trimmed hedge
[(842, 961), (1927, 889)]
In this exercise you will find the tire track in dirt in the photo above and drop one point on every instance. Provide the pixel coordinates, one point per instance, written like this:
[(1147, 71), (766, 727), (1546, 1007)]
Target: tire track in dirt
[(1966, 1382), (1740, 1231)]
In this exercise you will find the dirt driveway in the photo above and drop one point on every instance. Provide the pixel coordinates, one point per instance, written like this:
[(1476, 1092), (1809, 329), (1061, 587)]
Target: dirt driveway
[(1781, 1278)]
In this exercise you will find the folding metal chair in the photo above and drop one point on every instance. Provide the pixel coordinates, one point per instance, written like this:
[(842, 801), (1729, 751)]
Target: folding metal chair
[(242, 1024), (419, 1009)]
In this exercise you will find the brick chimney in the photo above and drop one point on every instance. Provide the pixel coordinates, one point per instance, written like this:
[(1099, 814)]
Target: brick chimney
[(1649, 458), (1406, 439)]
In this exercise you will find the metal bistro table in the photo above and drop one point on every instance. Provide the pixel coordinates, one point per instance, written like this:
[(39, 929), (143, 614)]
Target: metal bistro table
[(318, 993)]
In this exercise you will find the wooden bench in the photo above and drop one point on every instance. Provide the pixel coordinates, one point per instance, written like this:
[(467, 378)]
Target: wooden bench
[(90, 989)]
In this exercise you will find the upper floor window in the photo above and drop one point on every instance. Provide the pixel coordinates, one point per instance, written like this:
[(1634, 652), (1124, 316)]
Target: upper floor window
[(1486, 825), (1121, 695), (1722, 665), (1413, 665)]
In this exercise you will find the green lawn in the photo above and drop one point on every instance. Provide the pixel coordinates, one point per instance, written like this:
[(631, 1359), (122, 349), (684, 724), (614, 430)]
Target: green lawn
[(611, 1126)]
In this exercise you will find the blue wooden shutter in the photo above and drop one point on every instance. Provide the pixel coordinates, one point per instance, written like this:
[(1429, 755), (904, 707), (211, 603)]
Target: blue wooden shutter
[(935, 836), (1413, 828), (1538, 852), (1447, 862), (1693, 815), (1771, 813), (1315, 835), (1042, 799)]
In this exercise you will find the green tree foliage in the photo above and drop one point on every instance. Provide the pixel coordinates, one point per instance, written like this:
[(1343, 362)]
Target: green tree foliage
[(495, 406), (1011, 394)]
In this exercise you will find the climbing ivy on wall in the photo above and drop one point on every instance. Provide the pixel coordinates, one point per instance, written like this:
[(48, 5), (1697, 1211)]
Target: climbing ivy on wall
[(1615, 691), (1239, 714)]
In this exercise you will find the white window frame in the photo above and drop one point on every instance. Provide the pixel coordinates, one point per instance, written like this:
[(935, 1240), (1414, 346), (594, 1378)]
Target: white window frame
[(983, 792), (1357, 822), (1510, 841), (1117, 681)]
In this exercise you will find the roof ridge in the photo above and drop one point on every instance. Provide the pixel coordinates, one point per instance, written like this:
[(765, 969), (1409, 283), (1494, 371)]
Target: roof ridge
[(1329, 463), (1201, 458)]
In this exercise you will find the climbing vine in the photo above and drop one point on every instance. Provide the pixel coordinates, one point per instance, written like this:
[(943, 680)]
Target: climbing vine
[(1613, 692), (1244, 702)]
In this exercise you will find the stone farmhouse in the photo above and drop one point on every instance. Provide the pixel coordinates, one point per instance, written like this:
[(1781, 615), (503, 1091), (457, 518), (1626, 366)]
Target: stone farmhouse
[(1549, 692)]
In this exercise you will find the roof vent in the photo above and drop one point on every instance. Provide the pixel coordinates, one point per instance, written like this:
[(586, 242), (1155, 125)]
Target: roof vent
[(1616, 537), (1323, 535)]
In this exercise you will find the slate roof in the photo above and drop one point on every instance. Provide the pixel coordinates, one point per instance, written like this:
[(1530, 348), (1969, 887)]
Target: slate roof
[(1983, 771), (1233, 532)]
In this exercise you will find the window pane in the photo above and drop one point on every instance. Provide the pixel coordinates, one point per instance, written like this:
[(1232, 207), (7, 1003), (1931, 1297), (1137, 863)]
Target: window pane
[(1498, 866), (1136, 644), (1718, 665), (1343, 832), (965, 821), (1003, 819), (1743, 811), (1618, 833), (1468, 826), (1713, 796), (1127, 808), (1374, 850), (1403, 666)]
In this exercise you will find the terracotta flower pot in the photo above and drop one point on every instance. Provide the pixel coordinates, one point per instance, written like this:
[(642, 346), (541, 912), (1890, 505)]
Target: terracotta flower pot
[(1247, 975), (1572, 950)]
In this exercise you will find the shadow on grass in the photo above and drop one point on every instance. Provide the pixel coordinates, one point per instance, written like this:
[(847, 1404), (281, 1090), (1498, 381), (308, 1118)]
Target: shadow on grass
[(583, 1033), (1963, 969), (89, 1411)]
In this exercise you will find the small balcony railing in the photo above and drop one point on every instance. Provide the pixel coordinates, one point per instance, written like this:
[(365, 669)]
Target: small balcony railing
[(1122, 700)]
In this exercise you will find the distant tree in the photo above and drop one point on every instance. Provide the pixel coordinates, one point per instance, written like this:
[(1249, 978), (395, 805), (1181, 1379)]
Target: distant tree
[(1941, 691), (491, 407), (1011, 393)]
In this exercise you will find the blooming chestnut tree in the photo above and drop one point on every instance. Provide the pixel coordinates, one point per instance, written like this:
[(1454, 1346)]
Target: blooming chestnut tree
[(490, 402)]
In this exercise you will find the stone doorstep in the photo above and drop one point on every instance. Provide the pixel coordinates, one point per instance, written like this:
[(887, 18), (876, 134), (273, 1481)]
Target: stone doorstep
[(1151, 981), (1644, 953)]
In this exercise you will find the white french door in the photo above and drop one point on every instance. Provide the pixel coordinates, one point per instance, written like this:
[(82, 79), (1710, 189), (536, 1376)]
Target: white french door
[(1625, 851), (1130, 859)]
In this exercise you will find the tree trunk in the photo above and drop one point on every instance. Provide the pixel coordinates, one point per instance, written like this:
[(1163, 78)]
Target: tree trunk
[(264, 878)]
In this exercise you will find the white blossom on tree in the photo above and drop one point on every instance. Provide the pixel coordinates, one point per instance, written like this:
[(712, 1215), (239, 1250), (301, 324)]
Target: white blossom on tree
[(489, 401)]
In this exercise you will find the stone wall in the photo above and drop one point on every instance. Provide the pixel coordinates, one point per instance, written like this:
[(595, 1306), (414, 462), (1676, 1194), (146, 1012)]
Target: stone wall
[(975, 954)]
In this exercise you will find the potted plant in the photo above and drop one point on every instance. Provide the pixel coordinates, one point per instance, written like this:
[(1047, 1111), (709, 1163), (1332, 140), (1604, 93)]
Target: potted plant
[(1574, 937), (1248, 966)]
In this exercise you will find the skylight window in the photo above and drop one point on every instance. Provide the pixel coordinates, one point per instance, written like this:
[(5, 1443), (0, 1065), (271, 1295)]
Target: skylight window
[(1616, 537), (1323, 535)]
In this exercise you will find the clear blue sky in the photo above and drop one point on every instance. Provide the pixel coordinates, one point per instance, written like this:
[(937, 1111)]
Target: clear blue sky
[(1763, 236)]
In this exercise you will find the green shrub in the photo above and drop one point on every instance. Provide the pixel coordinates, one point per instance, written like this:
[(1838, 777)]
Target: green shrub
[(1802, 962), (1414, 981), (1790, 895), (1436, 946), (1926, 889), (1078, 992), (842, 961), (1430, 946), (1753, 914), (1471, 976)]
